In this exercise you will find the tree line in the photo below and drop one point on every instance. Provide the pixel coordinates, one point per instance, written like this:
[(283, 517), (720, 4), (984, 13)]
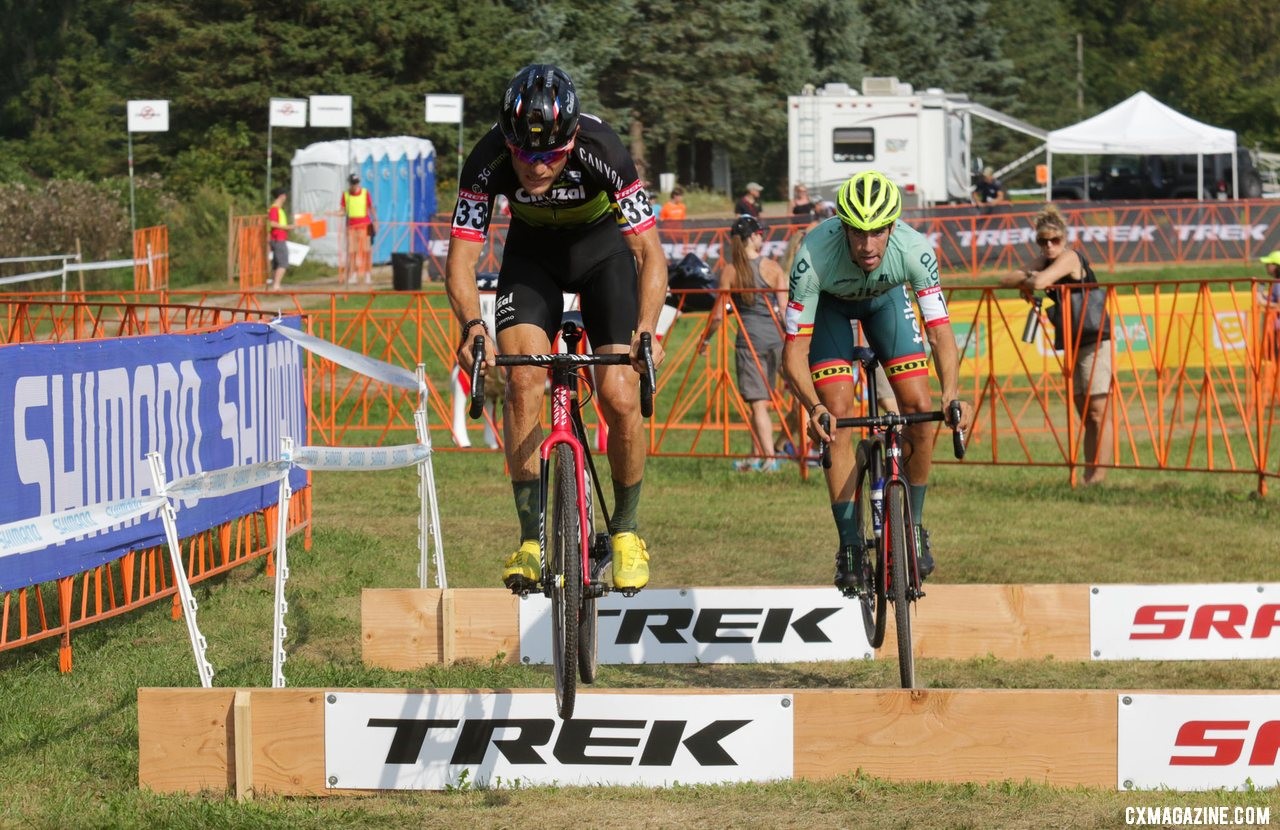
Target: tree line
[(675, 78)]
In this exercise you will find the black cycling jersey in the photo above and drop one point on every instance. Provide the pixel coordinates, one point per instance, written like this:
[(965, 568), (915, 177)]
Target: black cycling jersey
[(597, 181)]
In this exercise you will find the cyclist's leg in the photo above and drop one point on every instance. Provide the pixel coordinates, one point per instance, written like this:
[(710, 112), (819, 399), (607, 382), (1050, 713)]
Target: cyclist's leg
[(609, 313), (894, 333), (529, 306)]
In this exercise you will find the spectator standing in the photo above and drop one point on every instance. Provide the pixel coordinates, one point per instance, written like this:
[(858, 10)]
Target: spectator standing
[(989, 190), (357, 206), (279, 227), (1058, 270), (748, 203), (675, 209), (1269, 301), (803, 207), (758, 286)]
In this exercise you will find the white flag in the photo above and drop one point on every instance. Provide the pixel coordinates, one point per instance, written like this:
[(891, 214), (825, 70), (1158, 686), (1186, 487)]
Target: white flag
[(148, 116), (331, 111), (288, 112), (444, 109)]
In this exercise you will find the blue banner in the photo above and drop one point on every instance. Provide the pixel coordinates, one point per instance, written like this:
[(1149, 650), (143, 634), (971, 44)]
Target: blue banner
[(77, 421)]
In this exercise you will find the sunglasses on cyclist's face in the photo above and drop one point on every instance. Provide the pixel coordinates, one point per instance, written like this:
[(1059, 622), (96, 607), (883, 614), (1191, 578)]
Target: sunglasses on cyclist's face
[(1046, 241), (544, 157)]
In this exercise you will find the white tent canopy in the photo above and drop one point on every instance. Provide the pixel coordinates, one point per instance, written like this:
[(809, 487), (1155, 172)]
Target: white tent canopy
[(1141, 125)]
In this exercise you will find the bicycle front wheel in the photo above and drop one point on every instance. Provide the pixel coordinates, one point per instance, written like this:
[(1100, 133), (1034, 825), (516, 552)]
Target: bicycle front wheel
[(869, 467), (896, 529), (565, 564)]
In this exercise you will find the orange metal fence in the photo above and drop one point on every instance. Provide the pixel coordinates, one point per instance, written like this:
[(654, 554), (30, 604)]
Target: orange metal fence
[(151, 258), (52, 609)]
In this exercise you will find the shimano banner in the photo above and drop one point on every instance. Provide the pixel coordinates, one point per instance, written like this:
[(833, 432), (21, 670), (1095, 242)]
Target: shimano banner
[(78, 419)]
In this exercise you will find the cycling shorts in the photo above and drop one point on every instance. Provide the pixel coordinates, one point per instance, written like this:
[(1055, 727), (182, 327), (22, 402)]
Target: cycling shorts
[(890, 326), (539, 265)]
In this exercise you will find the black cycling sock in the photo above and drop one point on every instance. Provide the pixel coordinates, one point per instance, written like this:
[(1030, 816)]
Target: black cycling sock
[(626, 500), (527, 507), (844, 514)]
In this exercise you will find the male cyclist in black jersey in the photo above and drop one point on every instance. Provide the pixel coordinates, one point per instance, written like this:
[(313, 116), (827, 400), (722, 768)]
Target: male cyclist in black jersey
[(581, 223), (857, 265)]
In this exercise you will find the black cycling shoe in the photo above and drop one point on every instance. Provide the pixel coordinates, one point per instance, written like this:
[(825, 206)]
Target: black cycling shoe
[(846, 570), (924, 556)]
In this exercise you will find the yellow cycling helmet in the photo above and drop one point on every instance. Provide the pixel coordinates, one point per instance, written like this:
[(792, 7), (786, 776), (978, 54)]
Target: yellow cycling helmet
[(868, 201)]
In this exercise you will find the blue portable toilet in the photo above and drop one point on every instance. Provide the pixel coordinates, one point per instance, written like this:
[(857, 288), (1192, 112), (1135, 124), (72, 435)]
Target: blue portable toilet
[(424, 201), (390, 168)]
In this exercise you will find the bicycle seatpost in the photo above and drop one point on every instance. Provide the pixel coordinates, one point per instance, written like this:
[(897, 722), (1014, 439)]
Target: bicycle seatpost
[(477, 378), (957, 434)]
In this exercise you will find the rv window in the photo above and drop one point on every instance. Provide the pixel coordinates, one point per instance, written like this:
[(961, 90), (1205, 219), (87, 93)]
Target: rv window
[(853, 144)]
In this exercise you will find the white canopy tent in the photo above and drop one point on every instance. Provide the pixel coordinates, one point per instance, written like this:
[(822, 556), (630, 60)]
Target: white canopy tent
[(1141, 125)]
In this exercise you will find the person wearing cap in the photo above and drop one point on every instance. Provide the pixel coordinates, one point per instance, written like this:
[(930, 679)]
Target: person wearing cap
[(748, 203), (357, 206), (989, 190), (758, 288), (1269, 302)]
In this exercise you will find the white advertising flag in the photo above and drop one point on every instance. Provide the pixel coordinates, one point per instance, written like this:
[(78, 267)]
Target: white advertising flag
[(288, 112), (331, 111), (148, 116), (444, 109)]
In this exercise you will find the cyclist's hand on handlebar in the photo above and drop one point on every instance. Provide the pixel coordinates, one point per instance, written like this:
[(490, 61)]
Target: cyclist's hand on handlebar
[(655, 348), (821, 425), (490, 351), (966, 416)]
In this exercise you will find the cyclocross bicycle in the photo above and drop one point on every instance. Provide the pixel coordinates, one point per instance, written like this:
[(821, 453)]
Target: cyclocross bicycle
[(574, 554), (886, 566)]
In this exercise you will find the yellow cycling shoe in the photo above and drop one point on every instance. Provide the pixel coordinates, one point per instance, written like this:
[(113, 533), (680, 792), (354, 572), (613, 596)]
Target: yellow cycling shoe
[(523, 568), (630, 562)]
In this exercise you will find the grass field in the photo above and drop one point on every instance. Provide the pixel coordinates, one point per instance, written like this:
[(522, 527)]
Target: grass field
[(69, 742)]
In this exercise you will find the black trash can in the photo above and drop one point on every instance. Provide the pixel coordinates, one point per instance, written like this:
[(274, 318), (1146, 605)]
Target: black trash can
[(406, 271)]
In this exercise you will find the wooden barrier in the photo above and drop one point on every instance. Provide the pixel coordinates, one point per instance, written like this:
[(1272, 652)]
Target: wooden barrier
[(404, 629), (188, 738)]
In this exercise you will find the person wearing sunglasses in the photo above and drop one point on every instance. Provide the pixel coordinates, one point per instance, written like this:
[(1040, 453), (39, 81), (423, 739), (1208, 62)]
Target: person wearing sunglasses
[(865, 264), (1058, 269), (581, 223)]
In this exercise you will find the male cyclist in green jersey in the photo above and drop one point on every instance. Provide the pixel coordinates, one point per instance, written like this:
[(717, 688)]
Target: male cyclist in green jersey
[(857, 265)]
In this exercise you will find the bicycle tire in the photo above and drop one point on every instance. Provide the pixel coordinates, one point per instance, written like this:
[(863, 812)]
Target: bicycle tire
[(869, 465), (566, 578), (896, 528), (588, 617)]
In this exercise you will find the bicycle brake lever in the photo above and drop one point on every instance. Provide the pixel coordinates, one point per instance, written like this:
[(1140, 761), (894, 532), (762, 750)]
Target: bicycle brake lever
[(957, 434), (825, 447), (477, 377)]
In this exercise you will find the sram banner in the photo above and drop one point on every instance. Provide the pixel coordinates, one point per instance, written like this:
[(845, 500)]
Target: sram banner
[(77, 421), (711, 625), (1198, 742), (401, 741), (1185, 622)]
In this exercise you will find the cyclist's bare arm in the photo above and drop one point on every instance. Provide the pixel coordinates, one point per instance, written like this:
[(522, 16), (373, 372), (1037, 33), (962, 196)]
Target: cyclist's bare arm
[(464, 297), (795, 368), (946, 360), (651, 265)]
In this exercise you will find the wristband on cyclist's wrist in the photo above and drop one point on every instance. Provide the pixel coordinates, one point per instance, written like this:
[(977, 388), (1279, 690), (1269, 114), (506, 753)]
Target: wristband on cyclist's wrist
[(469, 325), (814, 409)]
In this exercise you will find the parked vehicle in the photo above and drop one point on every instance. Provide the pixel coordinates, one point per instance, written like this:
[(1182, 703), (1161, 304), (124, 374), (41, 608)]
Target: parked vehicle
[(1163, 177)]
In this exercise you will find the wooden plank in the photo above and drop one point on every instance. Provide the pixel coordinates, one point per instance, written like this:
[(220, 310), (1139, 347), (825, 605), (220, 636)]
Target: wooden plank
[(1064, 738), (404, 628), (448, 627), (288, 744), (1011, 622), (243, 739), (184, 736)]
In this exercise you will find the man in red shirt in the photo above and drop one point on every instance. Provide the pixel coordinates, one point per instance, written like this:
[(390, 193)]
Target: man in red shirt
[(357, 205), (278, 222)]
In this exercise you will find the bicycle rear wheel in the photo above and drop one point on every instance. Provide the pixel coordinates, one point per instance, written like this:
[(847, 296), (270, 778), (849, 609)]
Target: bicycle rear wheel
[(869, 466), (566, 577), (896, 529)]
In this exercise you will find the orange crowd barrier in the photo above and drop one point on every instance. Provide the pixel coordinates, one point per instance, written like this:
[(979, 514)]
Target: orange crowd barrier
[(151, 258)]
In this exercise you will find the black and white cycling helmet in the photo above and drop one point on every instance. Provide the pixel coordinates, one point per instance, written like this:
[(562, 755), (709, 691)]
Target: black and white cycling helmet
[(539, 109)]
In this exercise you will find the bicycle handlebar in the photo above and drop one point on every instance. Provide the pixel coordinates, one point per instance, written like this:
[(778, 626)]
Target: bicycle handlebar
[(560, 360), (892, 419)]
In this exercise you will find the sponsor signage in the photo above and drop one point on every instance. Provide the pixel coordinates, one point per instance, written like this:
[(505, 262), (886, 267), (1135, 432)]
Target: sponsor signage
[(418, 741), (330, 111), (79, 419), (1185, 622), (288, 112), (148, 116), (1198, 742), (712, 625), (444, 109)]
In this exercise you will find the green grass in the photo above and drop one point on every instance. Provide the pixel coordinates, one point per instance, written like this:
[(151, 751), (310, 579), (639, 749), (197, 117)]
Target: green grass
[(69, 742)]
